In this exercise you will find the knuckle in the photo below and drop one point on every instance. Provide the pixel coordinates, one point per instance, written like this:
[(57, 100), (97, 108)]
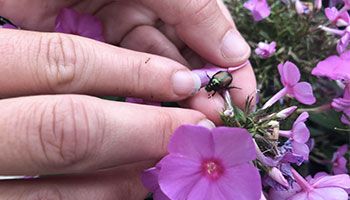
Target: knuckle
[(166, 125), (63, 61), (67, 133)]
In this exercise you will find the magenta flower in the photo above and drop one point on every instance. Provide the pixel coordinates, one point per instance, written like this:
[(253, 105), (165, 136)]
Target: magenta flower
[(344, 41), (202, 164), (337, 17), (339, 161), (149, 179), (322, 186), (290, 77), (334, 67), (343, 105), (71, 22), (9, 26), (265, 50), (142, 101), (298, 136), (259, 9)]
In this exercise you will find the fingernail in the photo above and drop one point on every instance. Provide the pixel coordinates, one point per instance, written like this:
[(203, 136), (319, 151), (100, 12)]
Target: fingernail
[(206, 123), (186, 83), (234, 46)]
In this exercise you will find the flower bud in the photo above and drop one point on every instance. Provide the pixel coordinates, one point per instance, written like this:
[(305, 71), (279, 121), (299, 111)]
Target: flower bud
[(283, 114)]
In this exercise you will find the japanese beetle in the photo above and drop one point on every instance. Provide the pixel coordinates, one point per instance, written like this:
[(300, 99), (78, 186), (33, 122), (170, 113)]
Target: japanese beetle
[(219, 82)]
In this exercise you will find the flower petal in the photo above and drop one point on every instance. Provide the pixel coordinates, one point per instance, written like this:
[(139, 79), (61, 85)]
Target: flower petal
[(233, 145), (303, 93), (341, 180), (195, 142), (329, 193), (178, 176), (302, 117), (290, 74), (301, 149), (301, 133), (241, 182), (327, 67)]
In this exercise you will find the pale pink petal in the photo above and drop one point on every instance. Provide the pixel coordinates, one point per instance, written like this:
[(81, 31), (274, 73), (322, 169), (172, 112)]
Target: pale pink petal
[(303, 93), (331, 13), (302, 117), (233, 145), (149, 179), (290, 74), (340, 180), (301, 149), (241, 182), (279, 95), (327, 67), (178, 176), (301, 196), (200, 189), (194, 142), (301, 133), (329, 193)]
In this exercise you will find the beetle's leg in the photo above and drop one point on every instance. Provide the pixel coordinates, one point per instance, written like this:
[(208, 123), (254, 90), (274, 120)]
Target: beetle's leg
[(207, 75)]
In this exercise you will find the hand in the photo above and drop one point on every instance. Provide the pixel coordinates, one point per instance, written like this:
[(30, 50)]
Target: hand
[(65, 134)]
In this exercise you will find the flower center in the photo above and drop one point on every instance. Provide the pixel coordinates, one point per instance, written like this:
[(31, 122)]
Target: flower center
[(213, 169)]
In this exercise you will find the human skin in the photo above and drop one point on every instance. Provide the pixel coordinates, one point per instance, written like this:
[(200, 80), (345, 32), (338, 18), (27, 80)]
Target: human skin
[(49, 124)]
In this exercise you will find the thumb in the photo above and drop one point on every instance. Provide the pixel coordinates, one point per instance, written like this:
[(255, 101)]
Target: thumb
[(204, 26)]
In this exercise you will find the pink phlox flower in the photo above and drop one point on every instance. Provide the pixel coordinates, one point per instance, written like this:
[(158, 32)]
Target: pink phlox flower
[(265, 50), (299, 135), (343, 105), (322, 186), (142, 101), (259, 9), (337, 17), (202, 164), (149, 179), (334, 67), (290, 77), (344, 40), (86, 25), (339, 161)]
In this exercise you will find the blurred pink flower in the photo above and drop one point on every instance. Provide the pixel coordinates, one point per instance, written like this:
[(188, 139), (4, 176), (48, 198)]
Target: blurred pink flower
[(142, 101), (149, 179), (265, 50), (318, 4), (339, 18), (290, 77), (259, 9), (203, 165), (322, 186), (298, 136), (339, 161), (300, 7), (86, 25)]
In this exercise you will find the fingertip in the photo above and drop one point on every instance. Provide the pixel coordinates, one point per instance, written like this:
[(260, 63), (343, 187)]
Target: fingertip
[(244, 79)]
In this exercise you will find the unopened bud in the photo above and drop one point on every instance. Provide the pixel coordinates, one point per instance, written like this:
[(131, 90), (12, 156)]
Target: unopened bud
[(283, 114), (229, 113)]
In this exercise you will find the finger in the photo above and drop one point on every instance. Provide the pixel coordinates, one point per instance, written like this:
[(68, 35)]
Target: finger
[(74, 133), (210, 107), (202, 25), (42, 63), (119, 183), (155, 43), (244, 80), (170, 33)]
